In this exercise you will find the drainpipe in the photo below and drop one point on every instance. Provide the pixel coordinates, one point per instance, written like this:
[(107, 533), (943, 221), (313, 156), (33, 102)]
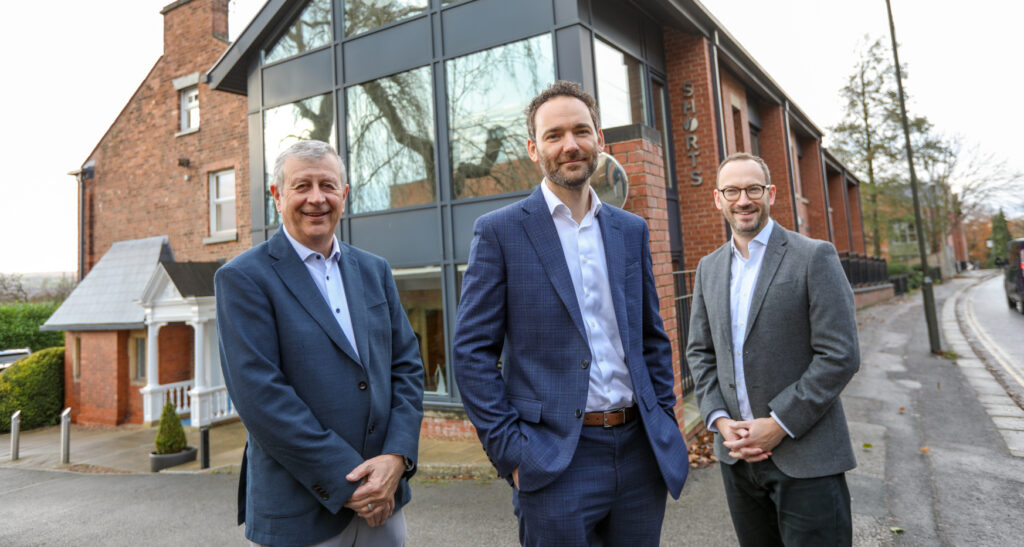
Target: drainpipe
[(789, 163)]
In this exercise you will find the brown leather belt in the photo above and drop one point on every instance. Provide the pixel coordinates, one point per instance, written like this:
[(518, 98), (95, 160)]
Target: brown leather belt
[(610, 418)]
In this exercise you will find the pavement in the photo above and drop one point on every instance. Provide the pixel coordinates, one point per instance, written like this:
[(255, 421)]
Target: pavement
[(939, 463)]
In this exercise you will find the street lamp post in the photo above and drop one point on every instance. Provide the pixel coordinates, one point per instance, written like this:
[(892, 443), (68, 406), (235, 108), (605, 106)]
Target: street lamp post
[(926, 283)]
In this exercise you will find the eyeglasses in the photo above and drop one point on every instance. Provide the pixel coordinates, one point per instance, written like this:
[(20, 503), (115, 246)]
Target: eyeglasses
[(754, 192)]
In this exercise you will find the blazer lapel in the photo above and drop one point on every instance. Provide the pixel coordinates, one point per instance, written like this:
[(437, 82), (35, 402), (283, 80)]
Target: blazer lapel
[(540, 228), (614, 250), (356, 298), (773, 254), (295, 277), (718, 296)]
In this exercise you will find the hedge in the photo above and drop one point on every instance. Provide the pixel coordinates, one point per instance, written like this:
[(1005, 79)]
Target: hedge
[(34, 385), (19, 326)]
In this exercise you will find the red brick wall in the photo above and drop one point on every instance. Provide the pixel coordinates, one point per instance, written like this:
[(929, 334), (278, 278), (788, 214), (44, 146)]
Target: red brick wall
[(837, 201), (853, 196), (97, 398), (734, 101), (138, 189), (813, 189), (644, 163), (773, 152), (688, 63), (176, 353), (449, 429)]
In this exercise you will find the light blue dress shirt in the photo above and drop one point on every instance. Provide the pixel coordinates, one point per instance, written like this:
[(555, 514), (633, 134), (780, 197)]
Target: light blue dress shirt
[(610, 384), (742, 279), (327, 277)]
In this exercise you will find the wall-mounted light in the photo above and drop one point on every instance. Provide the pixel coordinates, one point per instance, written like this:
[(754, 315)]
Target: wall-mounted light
[(183, 162)]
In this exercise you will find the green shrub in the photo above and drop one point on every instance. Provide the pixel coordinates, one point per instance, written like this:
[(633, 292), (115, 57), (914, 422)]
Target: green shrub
[(34, 385), (898, 268), (19, 326), (170, 438)]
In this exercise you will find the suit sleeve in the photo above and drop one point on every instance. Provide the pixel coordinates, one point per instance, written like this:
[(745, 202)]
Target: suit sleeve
[(406, 381), (657, 347), (700, 352), (274, 415), (833, 337), (479, 338)]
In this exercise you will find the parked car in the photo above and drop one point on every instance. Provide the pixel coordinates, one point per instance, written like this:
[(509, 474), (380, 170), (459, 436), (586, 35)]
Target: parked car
[(9, 356), (1014, 280)]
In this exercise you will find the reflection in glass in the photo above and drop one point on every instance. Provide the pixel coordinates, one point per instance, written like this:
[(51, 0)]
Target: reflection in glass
[(420, 292), (310, 30), (312, 118), (486, 95), (620, 86), (364, 15), (391, 142)]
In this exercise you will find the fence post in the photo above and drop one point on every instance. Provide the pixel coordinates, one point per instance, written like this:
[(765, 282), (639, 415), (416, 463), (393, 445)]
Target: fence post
[(15, 433), (65, 436)]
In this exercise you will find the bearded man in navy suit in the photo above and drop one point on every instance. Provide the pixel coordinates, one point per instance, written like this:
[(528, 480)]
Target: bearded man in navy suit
[(579, 414), (324, 370)]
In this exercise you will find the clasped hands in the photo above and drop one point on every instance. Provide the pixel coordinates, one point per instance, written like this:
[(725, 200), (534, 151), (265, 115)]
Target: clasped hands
[(750, 440), (374, 499)]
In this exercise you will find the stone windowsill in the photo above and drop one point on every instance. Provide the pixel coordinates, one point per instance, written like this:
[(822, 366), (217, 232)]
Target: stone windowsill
[(222, 237), (186, 132)]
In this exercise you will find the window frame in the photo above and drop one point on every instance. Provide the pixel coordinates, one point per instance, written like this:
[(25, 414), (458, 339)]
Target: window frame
[(186, 110), (216, 235), (134, 337)]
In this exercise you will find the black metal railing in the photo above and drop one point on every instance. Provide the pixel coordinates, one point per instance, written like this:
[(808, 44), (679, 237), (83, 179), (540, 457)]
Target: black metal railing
[(862, 270), (684, 292)]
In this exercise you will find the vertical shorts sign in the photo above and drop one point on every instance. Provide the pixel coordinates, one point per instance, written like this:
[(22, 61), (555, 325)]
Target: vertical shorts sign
[(690, 126)]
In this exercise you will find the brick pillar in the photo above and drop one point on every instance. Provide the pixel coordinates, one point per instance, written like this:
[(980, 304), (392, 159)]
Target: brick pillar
[(642, 158), (813, 189), (837, 204), (691, 103), (773, 152), (856, 220)]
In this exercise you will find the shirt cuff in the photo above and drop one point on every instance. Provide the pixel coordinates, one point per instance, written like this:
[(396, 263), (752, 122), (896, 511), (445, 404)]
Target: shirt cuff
[(782, 425), (716, 414)]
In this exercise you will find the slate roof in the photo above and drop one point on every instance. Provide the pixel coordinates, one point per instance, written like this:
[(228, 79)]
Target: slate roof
[(191, 278), (107, 298)]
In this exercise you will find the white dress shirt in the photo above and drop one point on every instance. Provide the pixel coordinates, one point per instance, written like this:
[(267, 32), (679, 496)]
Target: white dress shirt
[(742, 279), (327, 277), (610, 384)]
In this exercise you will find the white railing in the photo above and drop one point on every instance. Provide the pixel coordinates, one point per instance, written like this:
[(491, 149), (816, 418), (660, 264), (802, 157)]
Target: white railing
[(155, 397), (211, 405)]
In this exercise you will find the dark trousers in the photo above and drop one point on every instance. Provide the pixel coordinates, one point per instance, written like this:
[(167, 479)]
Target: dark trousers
[(770, 508), (612, 494)]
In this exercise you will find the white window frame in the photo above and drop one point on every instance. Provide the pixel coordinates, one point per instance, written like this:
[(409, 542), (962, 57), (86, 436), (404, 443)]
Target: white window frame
[(189, 109), (137, 370), (223, 234)]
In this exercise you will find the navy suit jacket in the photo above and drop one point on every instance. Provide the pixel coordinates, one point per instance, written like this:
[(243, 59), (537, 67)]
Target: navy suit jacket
[(312, 408), (517, 296)]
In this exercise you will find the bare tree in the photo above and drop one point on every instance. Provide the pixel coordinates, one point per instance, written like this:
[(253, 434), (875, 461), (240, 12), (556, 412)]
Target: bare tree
[(12, 289)]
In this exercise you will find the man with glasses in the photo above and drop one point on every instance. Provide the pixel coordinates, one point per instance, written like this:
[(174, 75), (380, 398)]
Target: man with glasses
[(772, 343)]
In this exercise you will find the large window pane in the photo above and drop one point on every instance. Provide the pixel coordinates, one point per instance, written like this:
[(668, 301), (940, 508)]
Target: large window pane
[(391, 142), (487, 92), (312, 118), (620, 86), (420, 292), (310, 30), (364, 15)]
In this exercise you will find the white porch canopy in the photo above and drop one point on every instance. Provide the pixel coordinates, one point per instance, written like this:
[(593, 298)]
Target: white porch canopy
[(183, 292)]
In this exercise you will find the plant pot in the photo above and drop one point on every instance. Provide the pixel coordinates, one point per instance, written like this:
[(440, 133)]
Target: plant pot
[(163, 461)]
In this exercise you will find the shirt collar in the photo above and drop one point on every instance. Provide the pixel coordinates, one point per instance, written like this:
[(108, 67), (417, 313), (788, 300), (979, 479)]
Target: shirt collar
[(761, 238), (555, 204), (305, 252)]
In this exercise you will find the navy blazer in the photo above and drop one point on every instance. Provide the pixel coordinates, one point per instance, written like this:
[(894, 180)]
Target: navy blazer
[(312, 408), (517, 296)]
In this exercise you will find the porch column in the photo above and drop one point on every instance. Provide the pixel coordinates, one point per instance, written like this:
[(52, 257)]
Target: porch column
[(152, 402), (200, 404)]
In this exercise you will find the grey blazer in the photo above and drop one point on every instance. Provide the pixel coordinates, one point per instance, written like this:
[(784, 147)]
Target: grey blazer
[(799, 353)]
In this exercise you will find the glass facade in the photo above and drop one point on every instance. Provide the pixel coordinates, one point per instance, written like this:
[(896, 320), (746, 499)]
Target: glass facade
[(391, 142), (310, 30), (487, 127), (364, 15), (312, 118), (620, 86)]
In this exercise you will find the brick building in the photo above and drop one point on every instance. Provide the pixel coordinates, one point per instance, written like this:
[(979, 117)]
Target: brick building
[(162, 177), (430, 97)]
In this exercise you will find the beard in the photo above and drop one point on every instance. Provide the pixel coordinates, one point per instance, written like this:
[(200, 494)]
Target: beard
[(753, 229), (552, 170)]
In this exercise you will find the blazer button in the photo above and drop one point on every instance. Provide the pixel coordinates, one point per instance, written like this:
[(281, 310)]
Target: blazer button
[(579, 413), (372, 426), (584, 363), (732, 386), (362, 386)]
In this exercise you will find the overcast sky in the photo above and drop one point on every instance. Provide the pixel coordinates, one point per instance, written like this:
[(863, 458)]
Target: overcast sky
[(69, 75)]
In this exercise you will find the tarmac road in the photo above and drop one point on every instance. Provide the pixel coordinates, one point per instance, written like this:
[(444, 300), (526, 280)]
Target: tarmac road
[(999, 330)]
